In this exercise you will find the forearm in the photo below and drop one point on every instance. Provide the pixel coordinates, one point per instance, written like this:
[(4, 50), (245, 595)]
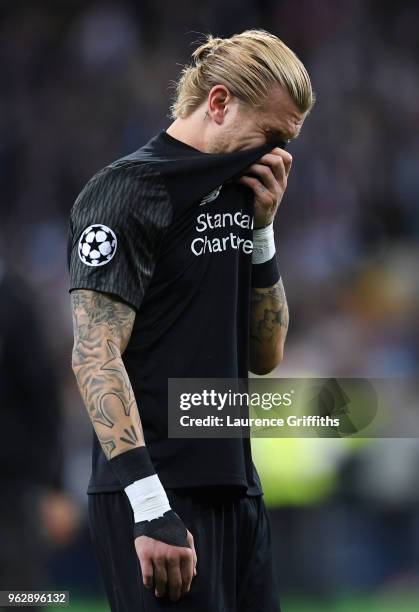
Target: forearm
[(108, 396), (102, 327), (267, 178), (268, 327)]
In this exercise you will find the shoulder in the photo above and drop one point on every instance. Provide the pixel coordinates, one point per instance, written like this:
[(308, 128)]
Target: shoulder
[(121, 187), (119, 179), (125, 196)]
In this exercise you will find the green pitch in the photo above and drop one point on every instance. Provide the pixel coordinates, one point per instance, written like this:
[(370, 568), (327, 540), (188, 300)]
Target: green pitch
[(375, 604)]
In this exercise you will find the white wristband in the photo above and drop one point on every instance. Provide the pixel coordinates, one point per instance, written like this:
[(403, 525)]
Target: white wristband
[(148, 498), (263, 244)]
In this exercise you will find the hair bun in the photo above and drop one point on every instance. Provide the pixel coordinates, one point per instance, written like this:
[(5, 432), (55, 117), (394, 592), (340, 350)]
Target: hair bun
[(210, 46)]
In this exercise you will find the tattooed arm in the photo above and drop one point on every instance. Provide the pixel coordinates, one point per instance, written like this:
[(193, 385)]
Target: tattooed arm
[(102, 328), (268, 328)]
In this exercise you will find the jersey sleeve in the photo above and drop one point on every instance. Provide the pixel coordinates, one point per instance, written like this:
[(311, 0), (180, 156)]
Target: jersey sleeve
[(116, 227)]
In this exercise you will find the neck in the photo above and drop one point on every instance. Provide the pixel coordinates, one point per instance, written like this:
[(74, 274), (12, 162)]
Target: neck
[(191, 131)]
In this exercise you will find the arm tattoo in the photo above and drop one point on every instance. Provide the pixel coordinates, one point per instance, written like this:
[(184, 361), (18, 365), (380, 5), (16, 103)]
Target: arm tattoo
[(102, 328), (269, 313)]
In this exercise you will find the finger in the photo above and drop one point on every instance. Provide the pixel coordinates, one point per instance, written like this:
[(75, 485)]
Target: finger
[(265, 175), (174, 579), (277, 166), (286, 157), (287, 163), (160, 577), (272, 159), (194, 555), (187, 570), (147, 572)]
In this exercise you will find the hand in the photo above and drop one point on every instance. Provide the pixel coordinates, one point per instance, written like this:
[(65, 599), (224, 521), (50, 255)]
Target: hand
[(169, 568), (268, 182)]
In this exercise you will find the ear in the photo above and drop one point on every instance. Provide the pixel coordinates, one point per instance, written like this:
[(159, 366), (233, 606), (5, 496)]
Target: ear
[(218, 99)]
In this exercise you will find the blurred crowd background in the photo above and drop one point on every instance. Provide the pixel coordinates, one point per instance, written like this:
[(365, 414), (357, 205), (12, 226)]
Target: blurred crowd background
[(83, 83)]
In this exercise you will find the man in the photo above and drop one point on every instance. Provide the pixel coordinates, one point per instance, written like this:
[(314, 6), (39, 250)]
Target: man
[(165, 285)]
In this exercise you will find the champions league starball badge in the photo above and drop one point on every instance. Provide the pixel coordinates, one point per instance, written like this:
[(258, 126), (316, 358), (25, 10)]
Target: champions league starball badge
[(97, 245)]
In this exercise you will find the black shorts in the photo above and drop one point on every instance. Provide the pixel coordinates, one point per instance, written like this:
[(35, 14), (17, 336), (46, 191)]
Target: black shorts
[(232, 538)]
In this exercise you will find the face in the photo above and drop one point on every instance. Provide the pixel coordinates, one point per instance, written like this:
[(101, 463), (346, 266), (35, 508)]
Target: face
[(236, 126)]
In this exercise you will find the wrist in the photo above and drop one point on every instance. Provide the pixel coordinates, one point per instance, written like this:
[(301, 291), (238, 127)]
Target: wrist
[(266, 274), (265, 269), (137, 475), (262, 224), (132, 465), (153, 516), (263, 244), (148, 499)]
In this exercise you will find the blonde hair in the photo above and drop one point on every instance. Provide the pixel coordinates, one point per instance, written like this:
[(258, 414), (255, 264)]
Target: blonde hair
[(248, 64)]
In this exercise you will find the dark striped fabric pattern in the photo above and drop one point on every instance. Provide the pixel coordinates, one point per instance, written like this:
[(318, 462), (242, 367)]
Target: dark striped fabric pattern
[(130, 199)]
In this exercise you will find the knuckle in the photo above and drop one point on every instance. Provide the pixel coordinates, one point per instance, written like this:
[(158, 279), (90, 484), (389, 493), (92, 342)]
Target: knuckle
[(144, 554), (172, 560)]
